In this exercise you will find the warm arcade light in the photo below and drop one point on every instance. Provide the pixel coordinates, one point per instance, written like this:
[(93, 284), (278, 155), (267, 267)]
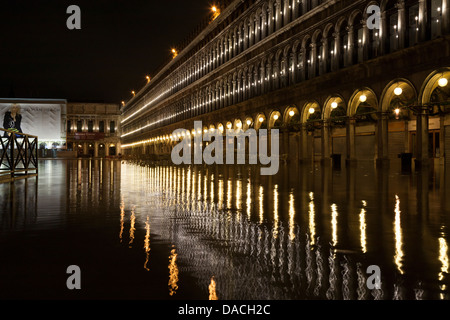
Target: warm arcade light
[(229, 125), (133, 93), (275, 117), (397, 111), (312, 110), (398, 91), (239, 125), (261, 119), (442, 82), (123, 103), (363, 98), (249, 122), (174, 53), (334, 105), (291, 113), (148, 79), (215, 11)]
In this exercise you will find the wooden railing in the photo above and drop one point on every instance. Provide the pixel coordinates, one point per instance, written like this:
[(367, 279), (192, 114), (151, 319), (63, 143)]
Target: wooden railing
[(18, 155)]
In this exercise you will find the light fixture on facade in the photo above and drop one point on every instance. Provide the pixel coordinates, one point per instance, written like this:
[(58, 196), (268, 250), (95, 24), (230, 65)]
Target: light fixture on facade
[(291, 113), (363, 98), (442, 82), (275, 117), (261, 119), (312, 110), (398, 91), (249, 122), (334, 105), (397, 111)]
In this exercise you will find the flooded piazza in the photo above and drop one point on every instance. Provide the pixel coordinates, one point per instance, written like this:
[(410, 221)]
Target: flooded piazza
[(224, 232)]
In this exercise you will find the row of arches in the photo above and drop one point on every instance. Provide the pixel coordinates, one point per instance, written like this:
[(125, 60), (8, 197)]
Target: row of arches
[(366, 125)]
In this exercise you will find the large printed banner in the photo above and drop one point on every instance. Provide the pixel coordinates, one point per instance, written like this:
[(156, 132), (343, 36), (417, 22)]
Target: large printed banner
[(42, 120)]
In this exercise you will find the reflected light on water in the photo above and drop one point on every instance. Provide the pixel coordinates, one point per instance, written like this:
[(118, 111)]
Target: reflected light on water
[(173, 273), (147, 243), (122, 217), (311, 217), (261, 204), (398, 236), (334, 215), (362, 227), (212, 290), (249, 199), (443, 257), (132, 228), (275, 211), (291, 216)]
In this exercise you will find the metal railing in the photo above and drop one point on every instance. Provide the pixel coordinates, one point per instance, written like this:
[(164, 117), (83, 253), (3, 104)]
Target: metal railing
[(18, 155)]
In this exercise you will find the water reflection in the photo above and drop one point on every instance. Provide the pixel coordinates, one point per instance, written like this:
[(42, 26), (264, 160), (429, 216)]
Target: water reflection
[(306, 233)]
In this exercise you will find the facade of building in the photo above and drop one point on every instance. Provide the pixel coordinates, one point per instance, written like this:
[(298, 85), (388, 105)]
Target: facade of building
[(93, 129), (45, 118), (332, 82)]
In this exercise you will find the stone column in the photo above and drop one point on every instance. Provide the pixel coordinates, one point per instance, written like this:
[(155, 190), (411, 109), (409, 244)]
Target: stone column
[(278, 17), (304, 143), (351, 154), (326, 156), (336, 52), (422, 158), (445, 17), (402, 27), (95, 149), (422, 20), (442, 150), (350, 47), (382, 139)]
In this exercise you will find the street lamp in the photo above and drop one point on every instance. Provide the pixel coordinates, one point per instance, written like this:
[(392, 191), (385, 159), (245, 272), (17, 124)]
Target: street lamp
[(148, 79)]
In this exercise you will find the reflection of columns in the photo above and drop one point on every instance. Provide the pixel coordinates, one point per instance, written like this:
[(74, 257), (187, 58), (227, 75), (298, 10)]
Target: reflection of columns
[(326, 142), (351, 155), (384, 32), (284, 145), (442, 150), (382, 141), (422, 158)]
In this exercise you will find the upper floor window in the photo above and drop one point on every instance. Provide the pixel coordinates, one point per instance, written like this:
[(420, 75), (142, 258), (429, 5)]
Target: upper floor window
[(112, 127)]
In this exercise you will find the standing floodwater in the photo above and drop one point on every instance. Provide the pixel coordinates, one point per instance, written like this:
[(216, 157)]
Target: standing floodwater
[(224, 232)]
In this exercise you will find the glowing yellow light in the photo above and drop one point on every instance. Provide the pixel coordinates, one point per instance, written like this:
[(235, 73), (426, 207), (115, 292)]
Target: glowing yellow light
[(275, 117), (398, 257), (334, 105), (148, 79), (397, 111), (229, 125), (398, 91), (214, 9), (123, 103), (133, 93), (443, 82), (363, 98), (312, 110), (212, 290), (239, 125), (173, 273), (261, 119), (249, 122), (291, 113)]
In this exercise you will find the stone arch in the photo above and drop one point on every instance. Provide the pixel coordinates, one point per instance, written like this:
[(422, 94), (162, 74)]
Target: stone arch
[(260, 124), (275, 118), (431, 83), (357, 99), (407, 93), (306, 114), (335, 102)]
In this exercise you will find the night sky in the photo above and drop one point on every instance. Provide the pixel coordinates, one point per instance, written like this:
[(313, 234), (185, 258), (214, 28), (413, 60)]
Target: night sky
[(120, 42)]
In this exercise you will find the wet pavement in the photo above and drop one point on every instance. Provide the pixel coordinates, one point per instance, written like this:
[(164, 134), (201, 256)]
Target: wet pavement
[(225, 232)]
